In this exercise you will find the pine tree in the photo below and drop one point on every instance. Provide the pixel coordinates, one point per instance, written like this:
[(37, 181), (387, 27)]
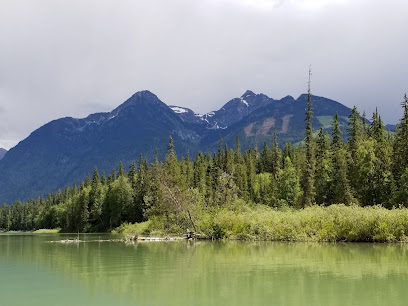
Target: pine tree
[(171, 163), (324, 168), (104, 180), (288, 151), (383, 179), (95, 177), (87, 180), (400, 154), (95, 200), (288, 185), (337, 140), (220, 155), (340, 187), (112, 176), (238, 153), (121, 170), (132, 173), (355, 133), (364, 124), (266, 159), (308, 175), (276, 155)]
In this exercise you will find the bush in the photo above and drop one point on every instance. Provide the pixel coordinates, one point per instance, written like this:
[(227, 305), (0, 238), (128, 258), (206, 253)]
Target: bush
[(334, 223), (326, 224)]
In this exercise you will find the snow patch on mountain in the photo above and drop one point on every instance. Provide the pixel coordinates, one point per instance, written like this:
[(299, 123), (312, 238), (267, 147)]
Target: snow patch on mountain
[(178, 110), (245, 102), (112, 116)]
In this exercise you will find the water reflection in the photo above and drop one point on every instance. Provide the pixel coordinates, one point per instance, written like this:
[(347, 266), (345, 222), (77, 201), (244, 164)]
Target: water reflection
[(220, 273)]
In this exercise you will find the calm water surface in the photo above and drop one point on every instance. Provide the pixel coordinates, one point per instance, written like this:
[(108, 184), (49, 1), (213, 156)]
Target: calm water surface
[(34, 271)]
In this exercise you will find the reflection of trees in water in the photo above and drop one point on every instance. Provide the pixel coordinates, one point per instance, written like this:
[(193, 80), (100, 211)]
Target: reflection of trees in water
[(215, 272)]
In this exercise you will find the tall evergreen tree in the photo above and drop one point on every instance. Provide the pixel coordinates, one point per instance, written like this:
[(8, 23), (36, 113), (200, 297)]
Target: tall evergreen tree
[(355, 133), (308, 175), (384, 185), (288, 185), (95, 201), (337, 140), (354, 130), (400, 154), (121, 170), (340, 187), (132, 172), (324, 170), (276, 155)]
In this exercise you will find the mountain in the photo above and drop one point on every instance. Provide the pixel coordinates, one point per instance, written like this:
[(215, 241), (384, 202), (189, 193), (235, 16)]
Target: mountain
[(2, 153), (65, 150), (255, 117), (390, 127), (236, 109), (230, 113)]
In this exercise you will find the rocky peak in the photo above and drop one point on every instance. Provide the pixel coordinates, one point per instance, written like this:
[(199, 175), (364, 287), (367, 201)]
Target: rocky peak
[(247, 94), (144, 97)]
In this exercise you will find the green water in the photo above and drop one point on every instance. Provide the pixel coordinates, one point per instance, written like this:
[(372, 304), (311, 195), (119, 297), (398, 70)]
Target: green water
[(36, 272)]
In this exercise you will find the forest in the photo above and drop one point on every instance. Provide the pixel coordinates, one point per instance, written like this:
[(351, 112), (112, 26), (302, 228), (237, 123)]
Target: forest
[(332, 187)]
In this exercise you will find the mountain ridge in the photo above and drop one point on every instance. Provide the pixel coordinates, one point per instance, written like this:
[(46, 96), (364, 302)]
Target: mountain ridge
[(65, 150)]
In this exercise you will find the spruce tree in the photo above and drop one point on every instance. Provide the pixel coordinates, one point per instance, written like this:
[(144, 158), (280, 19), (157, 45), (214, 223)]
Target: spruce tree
[(238, 153), (121, 170), (340, 187), (132, 173), (266, 159), (337, 140), (288, 185), (355, 133), (400, 154), (95, 200), (308, 175), (276, 155), (324, 169), (383, 180), (104, 179)]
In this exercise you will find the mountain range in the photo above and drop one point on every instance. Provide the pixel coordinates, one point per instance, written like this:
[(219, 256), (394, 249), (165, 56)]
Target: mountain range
[(65, 150)]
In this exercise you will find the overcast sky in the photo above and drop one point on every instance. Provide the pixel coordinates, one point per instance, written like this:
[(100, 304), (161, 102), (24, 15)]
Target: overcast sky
[(75, 57)]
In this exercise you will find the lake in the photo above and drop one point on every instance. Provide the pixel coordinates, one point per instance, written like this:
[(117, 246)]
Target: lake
[(34, 271)]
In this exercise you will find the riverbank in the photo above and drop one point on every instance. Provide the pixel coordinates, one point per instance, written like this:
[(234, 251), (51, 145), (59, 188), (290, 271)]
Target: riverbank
[(335, 223), (39, 231)]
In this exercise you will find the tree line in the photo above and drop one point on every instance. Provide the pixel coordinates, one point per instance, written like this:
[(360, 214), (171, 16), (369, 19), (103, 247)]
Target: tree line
[(367, 166)]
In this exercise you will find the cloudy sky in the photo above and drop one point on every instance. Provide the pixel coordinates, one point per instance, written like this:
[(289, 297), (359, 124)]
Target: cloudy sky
[(75, 57)]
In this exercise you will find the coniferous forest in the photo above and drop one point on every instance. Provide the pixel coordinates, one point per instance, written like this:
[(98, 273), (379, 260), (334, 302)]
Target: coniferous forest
[(333, 187)]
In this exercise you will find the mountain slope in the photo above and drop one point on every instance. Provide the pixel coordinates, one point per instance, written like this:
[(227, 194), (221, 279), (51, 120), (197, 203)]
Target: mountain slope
[(65, 150), (2, 153), (285, 117)]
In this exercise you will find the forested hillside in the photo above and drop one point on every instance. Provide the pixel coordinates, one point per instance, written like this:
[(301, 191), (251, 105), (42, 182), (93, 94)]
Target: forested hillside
[(65, 150), (370, 169)]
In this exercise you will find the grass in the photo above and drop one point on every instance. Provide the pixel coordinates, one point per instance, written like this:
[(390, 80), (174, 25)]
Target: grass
[(143, 228), (334, 223), (326, 121), (39, 231), (47, 231)]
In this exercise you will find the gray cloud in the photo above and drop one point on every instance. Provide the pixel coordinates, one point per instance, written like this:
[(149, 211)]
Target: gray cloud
[(71, 58)]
